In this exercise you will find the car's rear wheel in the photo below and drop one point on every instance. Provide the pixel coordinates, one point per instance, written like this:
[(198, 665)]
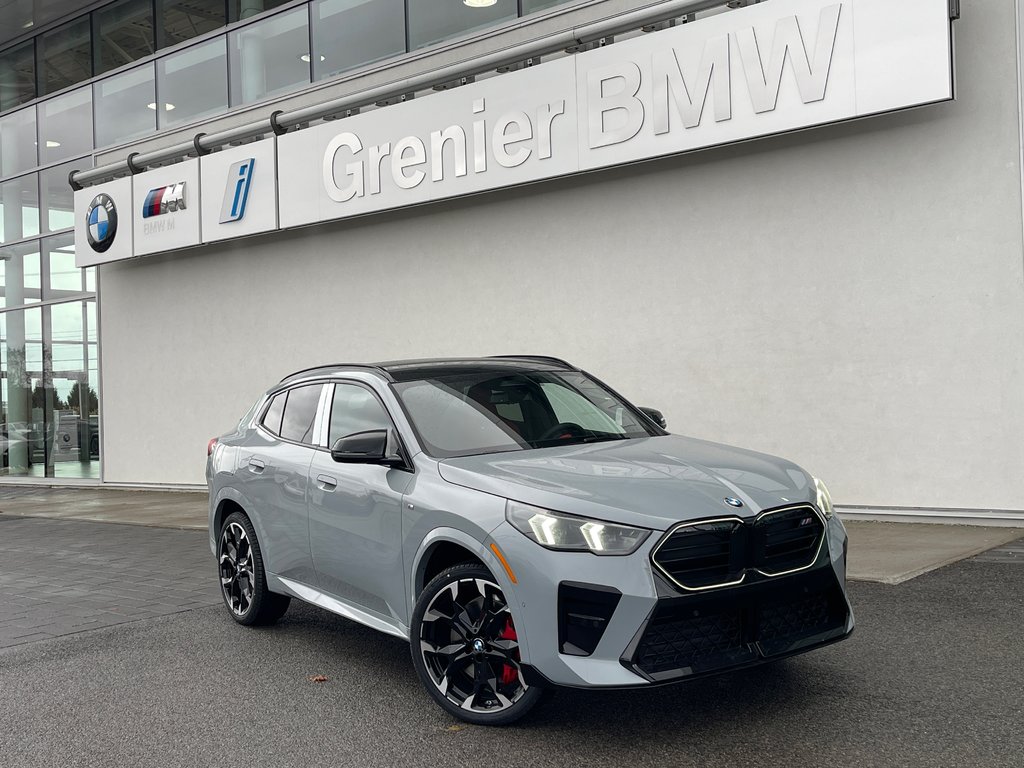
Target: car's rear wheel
[(465, 648), (243, 582)]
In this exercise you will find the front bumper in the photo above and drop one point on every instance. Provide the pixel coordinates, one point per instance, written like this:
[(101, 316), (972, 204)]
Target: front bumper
[(615, 622)]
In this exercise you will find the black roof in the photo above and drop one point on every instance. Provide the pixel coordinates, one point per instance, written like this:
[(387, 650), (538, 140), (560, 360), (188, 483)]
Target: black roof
[(410, 370)]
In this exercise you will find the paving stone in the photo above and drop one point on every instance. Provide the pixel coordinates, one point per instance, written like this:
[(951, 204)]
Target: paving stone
[(63, 576)]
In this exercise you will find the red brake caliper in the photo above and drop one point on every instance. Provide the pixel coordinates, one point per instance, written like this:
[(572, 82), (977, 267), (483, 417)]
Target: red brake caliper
[(508, 672)]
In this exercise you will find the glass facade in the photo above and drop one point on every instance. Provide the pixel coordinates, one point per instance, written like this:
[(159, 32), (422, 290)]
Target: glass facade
[(123, 33), (65, 56), (129, 106), (350, 33), (269, 57), (17, 75), (195, 81), (431, 22)]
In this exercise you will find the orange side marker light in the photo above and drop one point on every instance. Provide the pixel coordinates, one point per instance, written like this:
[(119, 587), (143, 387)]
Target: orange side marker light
[(504, 563)]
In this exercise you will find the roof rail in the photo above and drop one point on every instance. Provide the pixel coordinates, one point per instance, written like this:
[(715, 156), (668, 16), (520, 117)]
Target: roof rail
[(542, 358), (335, 367)]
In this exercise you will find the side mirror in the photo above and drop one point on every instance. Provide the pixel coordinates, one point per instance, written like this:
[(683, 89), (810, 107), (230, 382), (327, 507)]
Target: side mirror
[(656, 416), (369, 447)]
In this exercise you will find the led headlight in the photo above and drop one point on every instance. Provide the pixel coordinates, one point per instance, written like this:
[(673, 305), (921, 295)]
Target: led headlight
[(555, 530), (824, 499)]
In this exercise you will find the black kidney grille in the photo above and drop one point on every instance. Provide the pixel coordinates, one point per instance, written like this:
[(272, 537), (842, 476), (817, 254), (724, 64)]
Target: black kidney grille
[(787, 539), (701, 555)]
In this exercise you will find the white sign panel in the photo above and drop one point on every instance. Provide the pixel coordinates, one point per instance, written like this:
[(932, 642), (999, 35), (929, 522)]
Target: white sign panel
[(239, 195), (496, 133), (103, 223), (165, 204), (756, 71)]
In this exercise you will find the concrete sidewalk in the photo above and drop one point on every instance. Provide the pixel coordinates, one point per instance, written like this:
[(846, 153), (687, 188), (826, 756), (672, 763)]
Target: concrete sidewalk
[(889, 553)]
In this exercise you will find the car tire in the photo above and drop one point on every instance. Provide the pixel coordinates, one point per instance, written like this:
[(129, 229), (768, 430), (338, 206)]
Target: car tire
[(243, 582), (465, 648)]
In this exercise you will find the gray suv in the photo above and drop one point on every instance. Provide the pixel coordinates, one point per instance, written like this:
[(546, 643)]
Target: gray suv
[(523, 527)]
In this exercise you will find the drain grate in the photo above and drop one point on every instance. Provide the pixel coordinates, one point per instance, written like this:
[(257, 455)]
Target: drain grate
[(1012, 552)]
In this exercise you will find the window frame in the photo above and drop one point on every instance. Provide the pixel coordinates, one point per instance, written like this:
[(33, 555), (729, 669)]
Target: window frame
[(328, 403), (286, 391)]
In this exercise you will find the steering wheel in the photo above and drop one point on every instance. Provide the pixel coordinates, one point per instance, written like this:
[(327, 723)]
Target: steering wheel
[(563, 429)]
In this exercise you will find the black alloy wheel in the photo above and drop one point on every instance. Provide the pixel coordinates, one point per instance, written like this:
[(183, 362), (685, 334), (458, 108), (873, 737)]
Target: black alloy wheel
[(243, 582), (465, 648)]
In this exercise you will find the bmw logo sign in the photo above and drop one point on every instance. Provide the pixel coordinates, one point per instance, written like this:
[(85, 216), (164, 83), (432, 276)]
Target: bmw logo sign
[(733, 502), (101, 223)]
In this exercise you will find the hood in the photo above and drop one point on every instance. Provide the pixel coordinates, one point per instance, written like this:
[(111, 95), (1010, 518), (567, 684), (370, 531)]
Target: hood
[(652, 482)]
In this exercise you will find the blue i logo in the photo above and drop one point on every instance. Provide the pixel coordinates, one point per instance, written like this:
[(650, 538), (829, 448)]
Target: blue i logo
[(237, 192)]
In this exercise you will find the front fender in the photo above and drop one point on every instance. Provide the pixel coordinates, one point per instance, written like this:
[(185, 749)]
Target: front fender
[(479, 549)]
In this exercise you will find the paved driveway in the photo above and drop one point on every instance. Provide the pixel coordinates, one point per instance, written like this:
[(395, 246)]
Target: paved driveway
[(932, 677)]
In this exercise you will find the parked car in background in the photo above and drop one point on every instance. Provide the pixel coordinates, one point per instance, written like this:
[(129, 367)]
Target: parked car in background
[(523, 527)]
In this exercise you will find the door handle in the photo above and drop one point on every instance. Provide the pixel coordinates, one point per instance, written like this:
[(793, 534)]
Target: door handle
[(326, 482), (256, 465)]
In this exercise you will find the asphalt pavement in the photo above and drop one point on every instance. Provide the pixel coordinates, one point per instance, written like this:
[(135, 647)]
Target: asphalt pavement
[(932, 677)]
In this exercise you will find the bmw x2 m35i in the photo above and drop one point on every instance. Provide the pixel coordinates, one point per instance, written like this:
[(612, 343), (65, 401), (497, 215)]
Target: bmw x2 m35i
[(523, 527)]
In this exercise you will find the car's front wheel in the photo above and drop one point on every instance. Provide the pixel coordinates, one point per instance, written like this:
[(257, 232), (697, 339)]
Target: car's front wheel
[(465, 648), (243, 582)]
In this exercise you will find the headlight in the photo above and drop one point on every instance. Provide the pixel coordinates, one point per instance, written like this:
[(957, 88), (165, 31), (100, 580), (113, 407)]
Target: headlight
[(824, 499), (554, 530)]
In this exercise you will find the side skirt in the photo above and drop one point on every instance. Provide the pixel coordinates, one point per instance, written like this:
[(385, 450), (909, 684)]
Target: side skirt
[(334, 605)]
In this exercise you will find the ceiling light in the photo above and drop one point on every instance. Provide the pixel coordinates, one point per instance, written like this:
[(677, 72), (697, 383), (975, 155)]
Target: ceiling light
[(51, 144), (305, 57), (167, 107), (479, 3)]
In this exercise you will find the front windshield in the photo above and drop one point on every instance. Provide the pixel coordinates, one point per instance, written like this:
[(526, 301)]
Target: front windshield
[(463, 414)]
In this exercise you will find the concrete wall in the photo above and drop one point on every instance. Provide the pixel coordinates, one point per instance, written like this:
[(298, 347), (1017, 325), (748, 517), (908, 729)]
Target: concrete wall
[(849, 297)]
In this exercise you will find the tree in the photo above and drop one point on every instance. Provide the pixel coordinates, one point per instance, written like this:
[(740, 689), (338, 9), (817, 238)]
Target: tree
[(75, 399)]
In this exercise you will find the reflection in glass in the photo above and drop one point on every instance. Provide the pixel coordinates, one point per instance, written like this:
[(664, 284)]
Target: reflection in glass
[(195, 81), (65, 126), (49, 402), (246, 9), (431, 21), (19, 208), (185, 19), (22, 395), (17, 75), (349, 33), (269, 57), (123, 33), (20, 274), (65, 55), (56, 196), (63, 278), (125, 106), (529, 6), (17, 142)]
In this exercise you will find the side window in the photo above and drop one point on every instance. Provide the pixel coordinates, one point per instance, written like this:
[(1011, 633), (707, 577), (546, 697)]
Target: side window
[(272, 418), (355, 409), (300, 413)]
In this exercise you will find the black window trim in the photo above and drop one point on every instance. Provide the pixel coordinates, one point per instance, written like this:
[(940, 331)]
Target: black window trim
[(271, 396)]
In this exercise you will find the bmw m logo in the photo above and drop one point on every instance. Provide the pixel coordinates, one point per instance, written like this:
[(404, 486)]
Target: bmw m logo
[(101, 223), (164, 200), (733, 502)]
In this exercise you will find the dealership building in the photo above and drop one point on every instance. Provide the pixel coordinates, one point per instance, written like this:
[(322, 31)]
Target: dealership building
[(791, 225)]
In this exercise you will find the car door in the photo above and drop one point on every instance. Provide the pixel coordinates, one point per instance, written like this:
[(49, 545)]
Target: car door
[(355, 511), (273, 472)]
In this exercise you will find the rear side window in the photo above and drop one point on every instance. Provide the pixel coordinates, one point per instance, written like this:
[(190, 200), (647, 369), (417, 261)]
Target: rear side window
[(272, 418), (300, 413)]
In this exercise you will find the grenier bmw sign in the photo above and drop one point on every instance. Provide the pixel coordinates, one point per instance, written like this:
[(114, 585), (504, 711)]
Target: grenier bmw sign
[(764, 69)]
